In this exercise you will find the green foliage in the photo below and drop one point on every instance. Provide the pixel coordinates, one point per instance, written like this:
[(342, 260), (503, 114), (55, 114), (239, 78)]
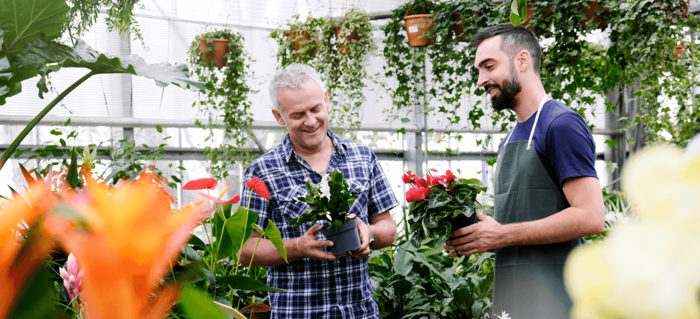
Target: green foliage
[(430, 218), (339, 49), (226, 92), (84, 13), (198, 305), (411, 283), (332, 204)]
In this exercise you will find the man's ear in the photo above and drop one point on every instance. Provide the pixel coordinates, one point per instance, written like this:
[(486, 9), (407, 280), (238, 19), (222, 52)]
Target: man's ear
[(523, 61), (278, 116), (328, 103)]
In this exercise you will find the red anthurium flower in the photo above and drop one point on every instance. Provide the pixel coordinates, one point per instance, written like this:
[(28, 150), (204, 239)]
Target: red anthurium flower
[(422, 182), (434, 170), (258, 186), (201, 183), (233, 200), (209, 213), (415, 194), (408, 178)]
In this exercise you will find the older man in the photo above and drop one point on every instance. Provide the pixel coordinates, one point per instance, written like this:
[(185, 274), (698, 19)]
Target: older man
[(318, 284)]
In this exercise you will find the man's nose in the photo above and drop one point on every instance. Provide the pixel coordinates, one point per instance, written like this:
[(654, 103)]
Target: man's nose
[(482, 80), (310, 120)]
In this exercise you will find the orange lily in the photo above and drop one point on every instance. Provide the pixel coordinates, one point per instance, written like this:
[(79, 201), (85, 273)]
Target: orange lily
[(17, 265), (134, 238)]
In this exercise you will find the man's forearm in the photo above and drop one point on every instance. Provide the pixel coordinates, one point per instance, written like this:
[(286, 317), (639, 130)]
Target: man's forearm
[(267, 255), (384, 233), (566, 225)]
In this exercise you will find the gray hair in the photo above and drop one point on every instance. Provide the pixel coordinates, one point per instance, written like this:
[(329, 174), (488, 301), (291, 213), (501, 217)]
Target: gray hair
[(294, 76)]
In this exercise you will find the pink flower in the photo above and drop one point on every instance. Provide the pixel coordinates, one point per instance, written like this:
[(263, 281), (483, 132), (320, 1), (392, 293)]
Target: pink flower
[(422, 182), (408, 178), (233, 200), (71, 277)]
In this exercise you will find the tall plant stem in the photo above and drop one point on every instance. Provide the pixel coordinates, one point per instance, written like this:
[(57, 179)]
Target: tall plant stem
[(245, 229), (11, 149)]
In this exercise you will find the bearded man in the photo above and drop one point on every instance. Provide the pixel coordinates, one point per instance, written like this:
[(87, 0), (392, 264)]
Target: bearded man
[(547, 195)]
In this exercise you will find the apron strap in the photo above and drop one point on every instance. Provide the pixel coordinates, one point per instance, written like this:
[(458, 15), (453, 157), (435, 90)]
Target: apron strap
[(537, 117)]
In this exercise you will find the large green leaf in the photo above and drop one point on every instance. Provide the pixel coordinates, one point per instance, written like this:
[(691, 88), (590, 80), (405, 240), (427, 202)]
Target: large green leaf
[(403, 260), (197, 304), (41, 52), (239, 229), (25, 20), (275, 237), (438, 198), (246, 283)]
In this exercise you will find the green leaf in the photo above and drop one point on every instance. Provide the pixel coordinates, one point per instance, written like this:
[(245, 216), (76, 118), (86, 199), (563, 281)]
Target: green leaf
[(438, 198), (246, 283), (40, 52), (24, 21), (403, 260), (67, 122), (514, 8), (197, 242), (197, 305), (36, 298), (275, 236), (72, 174), (514, 19), (522, 8), (239, 229), (159, 129)]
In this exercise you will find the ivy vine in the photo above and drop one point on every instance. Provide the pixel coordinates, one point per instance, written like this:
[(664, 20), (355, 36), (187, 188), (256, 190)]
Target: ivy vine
[(226, 95)]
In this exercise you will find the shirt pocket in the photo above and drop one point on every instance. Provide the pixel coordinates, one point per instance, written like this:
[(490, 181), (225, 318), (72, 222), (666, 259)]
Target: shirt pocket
[(289, 207), (360, 187)]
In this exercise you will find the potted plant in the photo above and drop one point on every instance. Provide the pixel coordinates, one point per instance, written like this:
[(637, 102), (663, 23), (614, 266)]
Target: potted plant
[(418, 27), (226, 95), (594, 15), (346, 47), (214, 48), (331, 200), (438, 205), (300, 42)]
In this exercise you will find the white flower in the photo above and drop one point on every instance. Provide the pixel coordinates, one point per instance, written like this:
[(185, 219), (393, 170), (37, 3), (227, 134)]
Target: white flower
[(328, 215), (504, 315), (324, 187)]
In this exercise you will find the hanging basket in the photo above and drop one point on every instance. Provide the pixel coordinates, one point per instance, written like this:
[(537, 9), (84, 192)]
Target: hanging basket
[(300, 39), (349, 39), (525, 23), (680, 49), (416, 28), (592, 17), (219, 53), (458, 26)]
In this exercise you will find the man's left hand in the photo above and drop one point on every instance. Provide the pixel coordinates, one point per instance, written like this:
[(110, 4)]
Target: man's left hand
[(365, 236), (487, 235)]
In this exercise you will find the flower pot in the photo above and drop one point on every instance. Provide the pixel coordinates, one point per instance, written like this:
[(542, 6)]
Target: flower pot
[(591, 17), (525, 23), (349, 39), (345, 238), (671, 8), (462, 221), (300, 39), (679, 50), (219, 53), (416, 27)]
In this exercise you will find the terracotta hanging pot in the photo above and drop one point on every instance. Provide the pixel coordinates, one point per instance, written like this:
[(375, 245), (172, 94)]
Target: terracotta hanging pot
[(671, 8), (680, 49), (592, 17), (349, 39), (458, 26), (219, 52), (416, 28), (525, 23), (300, 39)]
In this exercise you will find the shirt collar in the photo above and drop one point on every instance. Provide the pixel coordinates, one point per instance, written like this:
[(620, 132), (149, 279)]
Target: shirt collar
[(338, 143)]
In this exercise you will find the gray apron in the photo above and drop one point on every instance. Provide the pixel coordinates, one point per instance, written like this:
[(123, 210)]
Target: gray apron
[(529, 281)]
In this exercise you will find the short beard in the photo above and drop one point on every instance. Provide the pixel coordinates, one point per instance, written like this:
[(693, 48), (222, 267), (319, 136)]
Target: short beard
[(507, 98)]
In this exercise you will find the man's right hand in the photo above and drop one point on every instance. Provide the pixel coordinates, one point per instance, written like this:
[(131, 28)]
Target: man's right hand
[(310, 246)]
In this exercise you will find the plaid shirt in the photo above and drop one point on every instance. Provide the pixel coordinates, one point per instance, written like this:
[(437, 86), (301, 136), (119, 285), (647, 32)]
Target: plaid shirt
[(319, 289)]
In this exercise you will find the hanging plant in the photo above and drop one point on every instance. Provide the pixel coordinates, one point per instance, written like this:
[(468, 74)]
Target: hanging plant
[(83, 14), (299, 41), (406, 64), (226, 95), (345, 50)]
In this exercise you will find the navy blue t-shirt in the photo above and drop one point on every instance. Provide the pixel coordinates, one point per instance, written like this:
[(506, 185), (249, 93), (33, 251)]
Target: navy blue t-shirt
[(562, 140)]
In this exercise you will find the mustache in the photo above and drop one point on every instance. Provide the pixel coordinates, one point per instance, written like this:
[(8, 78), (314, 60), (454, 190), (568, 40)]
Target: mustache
[(489, 86)]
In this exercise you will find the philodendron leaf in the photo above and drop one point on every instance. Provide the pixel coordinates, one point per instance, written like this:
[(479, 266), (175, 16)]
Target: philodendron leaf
[(41, 52), (196, 304), (25, 20), (246, 283), (275, 237), (239, 229)]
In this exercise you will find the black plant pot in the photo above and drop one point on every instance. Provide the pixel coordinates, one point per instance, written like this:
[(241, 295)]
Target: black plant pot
[(345, 238), (462, 221)]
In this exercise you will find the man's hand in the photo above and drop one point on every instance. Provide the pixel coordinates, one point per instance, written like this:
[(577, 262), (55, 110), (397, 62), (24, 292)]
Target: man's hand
[(365, 236), (487, 235), (311, 247)]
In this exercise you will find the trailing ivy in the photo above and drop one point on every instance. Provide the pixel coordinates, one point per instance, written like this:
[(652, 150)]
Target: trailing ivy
[(84, 13), (226, 95), (299, 41)]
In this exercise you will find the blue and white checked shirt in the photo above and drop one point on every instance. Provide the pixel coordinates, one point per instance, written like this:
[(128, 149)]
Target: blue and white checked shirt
[(319, 289)]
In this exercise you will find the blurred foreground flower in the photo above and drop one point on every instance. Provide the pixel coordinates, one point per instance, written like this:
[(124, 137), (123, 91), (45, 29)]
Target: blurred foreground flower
[(133, 239), (20, 258), (648, 268)]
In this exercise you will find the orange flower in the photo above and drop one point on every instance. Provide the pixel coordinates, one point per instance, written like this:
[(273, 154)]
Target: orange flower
[(134, 237), (18, 264)]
